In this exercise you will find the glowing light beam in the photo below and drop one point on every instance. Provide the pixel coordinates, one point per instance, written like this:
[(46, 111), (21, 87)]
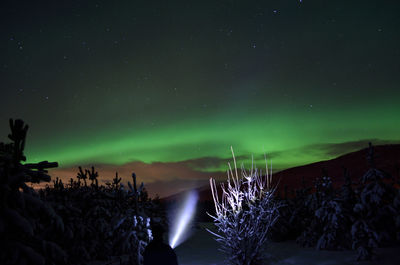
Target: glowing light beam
[(182, 220)]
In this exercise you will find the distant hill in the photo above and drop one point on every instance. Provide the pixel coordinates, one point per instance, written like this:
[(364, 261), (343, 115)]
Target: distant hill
[(387, 159)]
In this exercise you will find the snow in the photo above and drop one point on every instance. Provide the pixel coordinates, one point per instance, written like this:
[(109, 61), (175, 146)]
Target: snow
[(202, 249)]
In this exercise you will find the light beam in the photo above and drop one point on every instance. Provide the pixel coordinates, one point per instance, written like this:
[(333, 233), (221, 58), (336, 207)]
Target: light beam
[(182, 220)]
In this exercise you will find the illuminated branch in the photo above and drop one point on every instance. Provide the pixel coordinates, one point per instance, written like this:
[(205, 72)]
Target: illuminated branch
[(245, 214)]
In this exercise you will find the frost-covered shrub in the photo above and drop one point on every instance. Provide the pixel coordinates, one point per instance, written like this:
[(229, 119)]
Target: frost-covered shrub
[(360, 215), (244, 214)]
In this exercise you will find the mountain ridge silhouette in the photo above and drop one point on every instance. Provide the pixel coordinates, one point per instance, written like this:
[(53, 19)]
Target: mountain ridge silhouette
[(386, 157)]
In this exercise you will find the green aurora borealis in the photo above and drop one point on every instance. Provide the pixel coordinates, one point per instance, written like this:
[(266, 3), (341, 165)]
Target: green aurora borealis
[(165, 88), (250, 133)]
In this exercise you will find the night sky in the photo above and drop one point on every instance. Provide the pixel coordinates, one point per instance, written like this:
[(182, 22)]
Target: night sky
[(164, 88)]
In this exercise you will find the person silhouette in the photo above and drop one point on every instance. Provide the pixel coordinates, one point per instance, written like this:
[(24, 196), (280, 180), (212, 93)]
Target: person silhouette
[(157, 252)]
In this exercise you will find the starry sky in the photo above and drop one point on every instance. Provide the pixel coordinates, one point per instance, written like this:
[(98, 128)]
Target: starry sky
[(165, 88)]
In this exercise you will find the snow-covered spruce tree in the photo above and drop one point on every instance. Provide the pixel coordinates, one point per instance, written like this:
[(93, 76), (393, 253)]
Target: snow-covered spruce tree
[(335, 218), (335, 221), (375, 224), (25, 220), (101, 222), (396, 214), (244, 214), (313, 227), (294, 215), (331, 216)]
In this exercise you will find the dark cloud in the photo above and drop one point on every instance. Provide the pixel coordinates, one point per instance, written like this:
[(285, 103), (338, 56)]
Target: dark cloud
[(338, 149), (166, 188), (165, 178), (206, 162)]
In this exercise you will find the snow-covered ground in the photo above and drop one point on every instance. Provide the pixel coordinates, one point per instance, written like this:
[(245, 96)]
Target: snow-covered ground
[(202, 249)]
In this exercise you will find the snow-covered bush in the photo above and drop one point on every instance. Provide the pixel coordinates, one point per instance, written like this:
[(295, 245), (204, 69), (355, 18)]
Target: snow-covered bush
[(244, 214)]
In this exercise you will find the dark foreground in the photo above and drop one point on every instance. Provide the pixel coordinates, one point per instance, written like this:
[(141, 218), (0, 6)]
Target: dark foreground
[(201, 249)]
